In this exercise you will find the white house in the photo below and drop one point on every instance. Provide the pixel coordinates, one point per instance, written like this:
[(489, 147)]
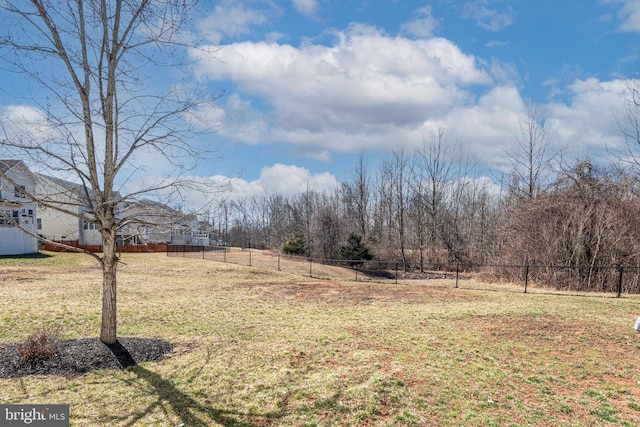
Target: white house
[(70, 220), (18, 214), (67, 218), (153, 222)]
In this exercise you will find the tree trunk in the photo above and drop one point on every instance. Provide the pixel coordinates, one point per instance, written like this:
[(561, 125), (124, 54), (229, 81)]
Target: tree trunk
[(109, 267)]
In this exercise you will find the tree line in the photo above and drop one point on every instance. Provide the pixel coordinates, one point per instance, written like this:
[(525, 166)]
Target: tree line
[(424, 207)]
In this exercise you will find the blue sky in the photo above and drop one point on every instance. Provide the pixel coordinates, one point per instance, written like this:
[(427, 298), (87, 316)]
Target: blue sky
[(310, 85)]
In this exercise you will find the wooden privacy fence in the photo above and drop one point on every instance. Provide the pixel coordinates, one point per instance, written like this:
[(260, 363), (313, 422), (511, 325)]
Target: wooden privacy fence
[(615, 280), (98, 248)]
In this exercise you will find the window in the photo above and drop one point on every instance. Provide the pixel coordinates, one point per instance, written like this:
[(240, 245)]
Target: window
[(89, 226), (39, 223), (19, 191), (8, 217)]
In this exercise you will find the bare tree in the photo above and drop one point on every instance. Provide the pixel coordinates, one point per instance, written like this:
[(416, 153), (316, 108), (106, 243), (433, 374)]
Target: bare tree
[(356, 196), (100, 123), (382, 211), (585, 220), (328, 229), (279, 219), (533, 154), (395, 177), (629, 125), (437, 166), (304, 207)]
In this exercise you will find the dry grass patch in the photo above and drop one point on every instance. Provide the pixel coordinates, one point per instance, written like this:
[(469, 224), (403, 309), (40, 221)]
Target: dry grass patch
[(255, 347), (358, 293)]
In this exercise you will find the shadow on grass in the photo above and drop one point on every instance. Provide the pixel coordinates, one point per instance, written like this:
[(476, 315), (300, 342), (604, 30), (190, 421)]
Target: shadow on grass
[(170, 399), (190, 411), (26, 256)]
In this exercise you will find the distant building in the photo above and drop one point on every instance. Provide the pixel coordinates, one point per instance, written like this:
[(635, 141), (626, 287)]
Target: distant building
[(149, 222), (18, 214), (68, 217)]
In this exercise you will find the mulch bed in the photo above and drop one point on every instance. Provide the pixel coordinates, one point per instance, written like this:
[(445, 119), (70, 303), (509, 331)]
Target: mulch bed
[(76, 357)]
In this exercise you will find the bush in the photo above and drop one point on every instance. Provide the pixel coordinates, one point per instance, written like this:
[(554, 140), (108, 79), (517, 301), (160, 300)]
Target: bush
[(294, 245), (42, 344), (354, 251)]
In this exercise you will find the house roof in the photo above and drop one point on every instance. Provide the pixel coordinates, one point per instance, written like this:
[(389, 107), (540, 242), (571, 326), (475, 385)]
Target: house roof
[(150, 205), (75, 188), (150, 208), (67, 185), (6, 165)]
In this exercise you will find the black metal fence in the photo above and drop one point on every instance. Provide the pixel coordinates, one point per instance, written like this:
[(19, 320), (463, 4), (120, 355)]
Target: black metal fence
[(611, 280)]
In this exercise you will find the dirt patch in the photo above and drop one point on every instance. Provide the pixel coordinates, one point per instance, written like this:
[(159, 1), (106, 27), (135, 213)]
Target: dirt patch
[(24, 276), (589, 362), (549, 328), (332, 292)]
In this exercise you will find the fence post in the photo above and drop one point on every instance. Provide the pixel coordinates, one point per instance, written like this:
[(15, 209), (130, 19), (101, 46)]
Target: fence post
[(225, 254), (620, 272), (396, 273), (526, 278), (310, 264), (457, 274), (278, 262), (249, 257), (356, 270)]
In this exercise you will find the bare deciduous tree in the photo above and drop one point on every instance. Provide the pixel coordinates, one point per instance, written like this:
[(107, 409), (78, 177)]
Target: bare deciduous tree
[(437, 167), (328, 226), (99, 120), (534, 153), (394, 183), (587, 219), (356, 197)]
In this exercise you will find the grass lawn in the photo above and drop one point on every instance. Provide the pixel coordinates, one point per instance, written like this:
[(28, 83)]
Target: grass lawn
[(257, 348)]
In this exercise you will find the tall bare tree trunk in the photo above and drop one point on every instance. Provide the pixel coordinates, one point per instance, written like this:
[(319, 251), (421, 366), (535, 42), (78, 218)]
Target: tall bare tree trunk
[(108, 327), (87, 59)]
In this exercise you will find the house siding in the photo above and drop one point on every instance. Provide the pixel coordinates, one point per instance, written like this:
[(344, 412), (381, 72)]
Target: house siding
[(58, 226), (13, 240)]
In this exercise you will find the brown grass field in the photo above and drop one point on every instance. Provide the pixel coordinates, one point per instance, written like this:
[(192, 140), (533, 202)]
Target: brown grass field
[(258, 347)]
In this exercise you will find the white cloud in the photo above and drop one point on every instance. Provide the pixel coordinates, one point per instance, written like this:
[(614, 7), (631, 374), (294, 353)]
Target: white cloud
[(289, 180), (588, 122), (487, 17), (360, 93), (285, 180), (231, 19), (488, 126), (371, 91), (243, 122), (28, 126), (585, 124), (423, 24), (629, 14), (25, 122), (306, 7), (205, 192)]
